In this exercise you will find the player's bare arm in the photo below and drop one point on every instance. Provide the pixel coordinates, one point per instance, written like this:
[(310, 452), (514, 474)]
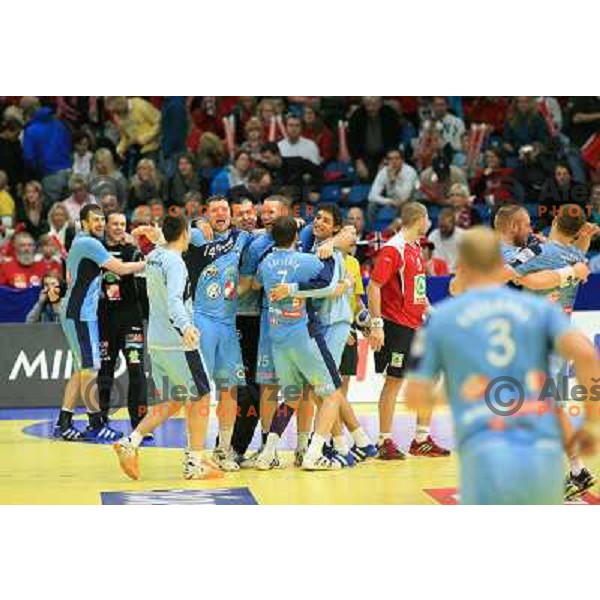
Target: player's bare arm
[(376, 337), (124, 268)]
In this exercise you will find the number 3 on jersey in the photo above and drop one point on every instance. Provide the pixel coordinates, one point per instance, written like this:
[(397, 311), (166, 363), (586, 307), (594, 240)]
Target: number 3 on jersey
[(502, 348)]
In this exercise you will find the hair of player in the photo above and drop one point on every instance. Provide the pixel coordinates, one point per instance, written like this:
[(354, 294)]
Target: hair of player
[(335, 212), (217, 198), (240, 200), (110, 213), (570, 219), (505, 216), (284, 231), (480, 250), (90, 208), (173, 227), (411, 212)]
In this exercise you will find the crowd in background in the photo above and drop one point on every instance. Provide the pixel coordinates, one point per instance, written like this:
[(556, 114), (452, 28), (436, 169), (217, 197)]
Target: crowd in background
[(462, 156)]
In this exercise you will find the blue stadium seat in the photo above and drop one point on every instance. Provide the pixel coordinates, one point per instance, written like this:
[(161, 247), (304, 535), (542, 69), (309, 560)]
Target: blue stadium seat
[(219, 186), (359, 194), (331, 193)]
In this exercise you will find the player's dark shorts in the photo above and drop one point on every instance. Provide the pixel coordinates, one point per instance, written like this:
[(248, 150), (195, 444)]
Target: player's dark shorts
[(392, 358), (83, 340), (349, 364)]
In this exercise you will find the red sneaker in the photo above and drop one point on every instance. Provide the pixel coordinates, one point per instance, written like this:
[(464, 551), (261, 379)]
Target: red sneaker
[(427, 448), (389, 451)]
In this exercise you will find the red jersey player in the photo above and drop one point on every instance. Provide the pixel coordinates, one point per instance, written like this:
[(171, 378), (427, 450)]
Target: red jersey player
[(397, 303)]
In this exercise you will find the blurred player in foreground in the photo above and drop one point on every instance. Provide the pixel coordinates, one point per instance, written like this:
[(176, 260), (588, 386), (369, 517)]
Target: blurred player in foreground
[(493, 339), (177, 366)]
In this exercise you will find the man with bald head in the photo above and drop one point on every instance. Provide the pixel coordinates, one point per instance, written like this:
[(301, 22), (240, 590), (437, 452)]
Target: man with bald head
[(493, 346)]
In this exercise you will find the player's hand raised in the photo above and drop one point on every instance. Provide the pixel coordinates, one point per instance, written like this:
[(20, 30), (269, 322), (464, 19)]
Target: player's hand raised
[(206, 230), (152, 232), (191, 338), (581, 270), (325, 251), (279, 292)]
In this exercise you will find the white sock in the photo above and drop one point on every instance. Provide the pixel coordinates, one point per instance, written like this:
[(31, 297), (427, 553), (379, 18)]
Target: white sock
[(576, 464), (339, 443), (315, 448), (272, 443), (360, 438), (382, 437), (225, 436), (136, 439), (422, 433), (303, 439)]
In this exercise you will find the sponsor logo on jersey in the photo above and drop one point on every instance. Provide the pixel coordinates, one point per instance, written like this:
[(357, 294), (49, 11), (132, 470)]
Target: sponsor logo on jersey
[(210, 272), (397, 359), (213, 291)]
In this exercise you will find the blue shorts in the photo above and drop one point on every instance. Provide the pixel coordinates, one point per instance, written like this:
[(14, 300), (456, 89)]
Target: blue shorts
[(171, 368), (221, 351), (501, 471), (336, 338), (84, 342), (265, 367), (305, 361)]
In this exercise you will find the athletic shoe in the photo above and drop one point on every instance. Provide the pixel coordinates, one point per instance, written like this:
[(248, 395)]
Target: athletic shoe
[(362, 453), (69, 434), (194, 468), (320, 463), (250, 462), (427, 448), (345, 460), (225, 459), (266, 461), (389, 451), (148, 440), (128, 458), (576, 485), (102, 435), (299, 456)]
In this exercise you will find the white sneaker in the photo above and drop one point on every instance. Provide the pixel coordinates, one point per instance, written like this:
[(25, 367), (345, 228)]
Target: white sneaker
[(250, 462), (199, 469), (320, 463), (226, 459), (266, 461), (299, 456)]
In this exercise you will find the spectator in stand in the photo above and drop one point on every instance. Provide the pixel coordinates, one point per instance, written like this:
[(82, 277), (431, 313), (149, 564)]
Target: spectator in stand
[(534, 171), (303, 174), (315, 129), (433, 265), (48, 307), (450, 126), (524, 125), (207, 117), (437, 179), (232, 175), (295, 145), (11, 151), (106, 175), (60, 226), (192, 205), (79, 197), (554, 110), (258, 187), (461, 200), (7, 208), (373, 130), (31, 212), (22, 271), (47, 149), (158, 210), (243, 111), (492, 183), (109, 202), (356, 217), (446, 237), (584, 118), (186, 179), (394, 185), (173, 132), (145, 184), (141, 216), (253, 139), (267, 111), (83, 156), (210, 153), (138, 124), (491, 110), (49, 255)]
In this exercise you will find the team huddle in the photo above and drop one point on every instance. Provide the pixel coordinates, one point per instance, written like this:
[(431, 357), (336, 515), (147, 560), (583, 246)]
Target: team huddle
[(269, 317)]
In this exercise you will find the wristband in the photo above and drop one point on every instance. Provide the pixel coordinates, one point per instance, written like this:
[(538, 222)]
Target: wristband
[(567, 276), (376, 323)]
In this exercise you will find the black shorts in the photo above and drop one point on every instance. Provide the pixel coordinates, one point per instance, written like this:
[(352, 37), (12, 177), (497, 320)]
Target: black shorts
[(349, 362), (392, 358)]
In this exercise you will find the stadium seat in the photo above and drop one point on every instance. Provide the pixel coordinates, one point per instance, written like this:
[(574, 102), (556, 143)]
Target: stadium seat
[(220, 183), (331, 193), (359, 194)]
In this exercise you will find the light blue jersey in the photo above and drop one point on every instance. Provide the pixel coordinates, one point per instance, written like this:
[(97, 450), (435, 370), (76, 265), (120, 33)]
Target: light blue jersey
[(483, 342), (550, 255), (214, 268), (169, 298), (508, 252), (251, 302), (84, 261)]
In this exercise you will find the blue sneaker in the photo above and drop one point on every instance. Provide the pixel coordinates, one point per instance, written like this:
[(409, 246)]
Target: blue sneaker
[(102, 435), (70, 434), (361, 453), (344, 460)]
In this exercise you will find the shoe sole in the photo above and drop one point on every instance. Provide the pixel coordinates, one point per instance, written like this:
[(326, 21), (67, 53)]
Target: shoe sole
[(131, 469), (211, 474), (580, 492)]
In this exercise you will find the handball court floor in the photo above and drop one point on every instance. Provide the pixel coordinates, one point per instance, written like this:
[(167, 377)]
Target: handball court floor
[(37, 470)]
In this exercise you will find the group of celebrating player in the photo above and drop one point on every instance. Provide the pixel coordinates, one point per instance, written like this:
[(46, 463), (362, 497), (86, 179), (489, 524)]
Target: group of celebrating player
[(271, 313)]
